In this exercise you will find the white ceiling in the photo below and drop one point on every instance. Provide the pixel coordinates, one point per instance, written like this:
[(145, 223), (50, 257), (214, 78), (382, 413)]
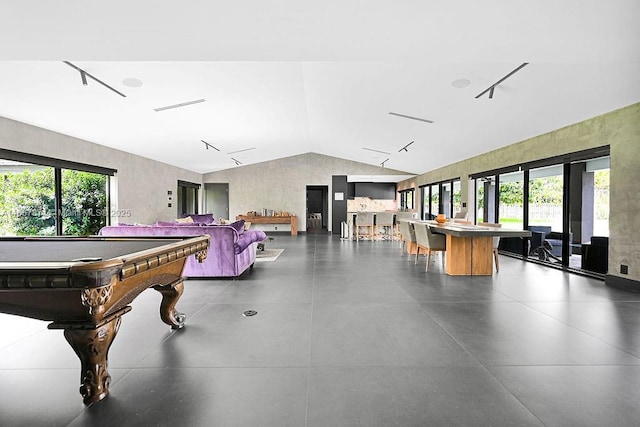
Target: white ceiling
[(288, 77)]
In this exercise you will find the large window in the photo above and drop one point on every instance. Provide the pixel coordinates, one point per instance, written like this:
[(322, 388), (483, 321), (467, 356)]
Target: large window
[(84, 202), (430, 197), (545, 197), (600, 170), (27, 199), (406, 199), (511, 200), (456, 197), (441, 198), (486, 199), (434, 205), (47, 197), (446, 199), (563, 201)]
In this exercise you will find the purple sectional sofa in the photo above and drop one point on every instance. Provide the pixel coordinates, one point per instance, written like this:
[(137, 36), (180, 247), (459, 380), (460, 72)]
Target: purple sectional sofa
[(232, 249)]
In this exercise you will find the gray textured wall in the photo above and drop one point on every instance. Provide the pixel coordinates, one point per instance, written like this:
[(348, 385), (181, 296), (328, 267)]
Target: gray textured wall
[(621, 130), (142, 184), (281, 184)]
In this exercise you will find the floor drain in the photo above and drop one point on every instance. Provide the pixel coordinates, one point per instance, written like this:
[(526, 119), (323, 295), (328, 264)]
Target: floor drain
[(249, 313)]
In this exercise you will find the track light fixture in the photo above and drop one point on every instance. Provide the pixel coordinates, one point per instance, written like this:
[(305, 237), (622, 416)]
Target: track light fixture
[(405, 147), (238, 162), (493, 86), (84, 75), (207, 145), (382, 164)]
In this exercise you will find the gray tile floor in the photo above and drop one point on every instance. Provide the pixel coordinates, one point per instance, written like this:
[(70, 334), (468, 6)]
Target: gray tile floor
[(349, 334)]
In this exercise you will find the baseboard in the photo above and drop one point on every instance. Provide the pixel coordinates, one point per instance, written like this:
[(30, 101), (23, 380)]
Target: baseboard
[(622, 283)]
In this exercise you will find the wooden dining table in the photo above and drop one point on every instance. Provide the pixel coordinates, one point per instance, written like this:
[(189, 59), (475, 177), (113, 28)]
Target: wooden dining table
[(470, 247)]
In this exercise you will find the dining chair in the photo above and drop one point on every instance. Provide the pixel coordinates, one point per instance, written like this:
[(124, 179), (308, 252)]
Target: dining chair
[(364, 220), (496, 242), (399, 217), (461, 221), (429, 242), (461, 215), (408, 235)]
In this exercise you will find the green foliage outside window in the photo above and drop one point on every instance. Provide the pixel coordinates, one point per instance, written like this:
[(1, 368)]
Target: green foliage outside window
[(84, 202), (27, 203)]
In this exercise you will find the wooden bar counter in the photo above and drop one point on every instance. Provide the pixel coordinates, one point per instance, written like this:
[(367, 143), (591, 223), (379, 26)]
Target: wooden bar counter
[(293, 220)]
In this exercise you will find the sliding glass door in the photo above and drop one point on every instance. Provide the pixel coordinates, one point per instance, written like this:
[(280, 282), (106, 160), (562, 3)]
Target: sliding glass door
[(48, 200), (511, 200), (434, 205), (441, 198), (590, 215), (456, 197), (565, 205), (546, 192)]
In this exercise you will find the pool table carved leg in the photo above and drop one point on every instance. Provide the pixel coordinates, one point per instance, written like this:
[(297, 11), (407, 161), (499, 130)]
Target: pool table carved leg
[(92, 348), (170, 296)]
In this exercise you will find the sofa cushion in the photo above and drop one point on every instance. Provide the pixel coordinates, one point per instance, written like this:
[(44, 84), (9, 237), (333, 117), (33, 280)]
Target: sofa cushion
[(179, 224), (187, 219), (202, 218)]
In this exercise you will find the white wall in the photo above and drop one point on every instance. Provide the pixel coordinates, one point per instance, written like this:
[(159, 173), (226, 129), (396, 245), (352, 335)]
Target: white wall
[(281, 184), (142, 184)]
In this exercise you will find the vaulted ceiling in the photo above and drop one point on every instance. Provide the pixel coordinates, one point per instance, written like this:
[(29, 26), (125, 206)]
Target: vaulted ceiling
[(280, 78)]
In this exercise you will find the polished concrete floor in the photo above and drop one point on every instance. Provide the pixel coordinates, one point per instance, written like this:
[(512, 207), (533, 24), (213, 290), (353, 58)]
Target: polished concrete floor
[(349, 334)]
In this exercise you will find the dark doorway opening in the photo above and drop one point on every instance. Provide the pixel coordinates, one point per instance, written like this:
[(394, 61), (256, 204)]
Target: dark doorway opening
[(317, 208)]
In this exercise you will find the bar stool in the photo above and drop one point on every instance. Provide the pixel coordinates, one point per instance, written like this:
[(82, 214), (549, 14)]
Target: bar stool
[(364, 220), (384, 223)]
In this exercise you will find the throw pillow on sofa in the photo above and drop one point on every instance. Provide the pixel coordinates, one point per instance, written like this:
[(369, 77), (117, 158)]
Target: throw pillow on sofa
[(201, 218), (185, 220)]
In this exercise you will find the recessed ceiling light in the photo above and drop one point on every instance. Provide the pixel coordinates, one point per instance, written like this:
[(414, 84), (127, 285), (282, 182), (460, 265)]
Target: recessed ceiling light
[(460, 83), (131, 82)]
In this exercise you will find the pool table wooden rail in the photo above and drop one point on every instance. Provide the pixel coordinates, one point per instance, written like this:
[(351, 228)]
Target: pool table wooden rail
[(88, 299)]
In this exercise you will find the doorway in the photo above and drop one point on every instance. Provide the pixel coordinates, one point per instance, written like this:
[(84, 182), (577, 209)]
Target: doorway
[(216, 200), (317, 208)]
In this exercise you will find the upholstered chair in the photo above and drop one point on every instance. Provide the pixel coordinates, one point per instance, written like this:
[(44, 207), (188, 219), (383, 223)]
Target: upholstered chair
[(407, 235), (399, 217), (461, 215), (496, 242), (429, 242)]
